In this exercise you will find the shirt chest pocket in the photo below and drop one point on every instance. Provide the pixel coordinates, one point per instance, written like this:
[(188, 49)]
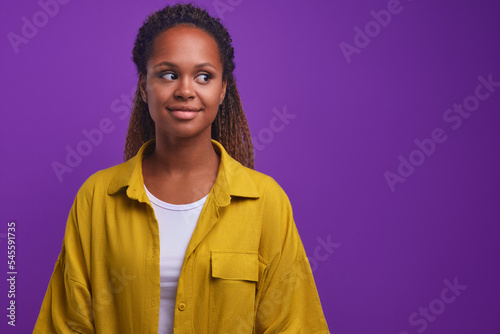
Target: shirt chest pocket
[(235, 265), (233, 286)]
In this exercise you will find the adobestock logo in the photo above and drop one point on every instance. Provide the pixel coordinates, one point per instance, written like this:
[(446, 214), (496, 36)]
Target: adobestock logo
[(373, 28), (103, 296), (94, 137), (74, 157), (453, 117), (277, 123), (322, 252), (30, 27), (425, 315), (223, 6)]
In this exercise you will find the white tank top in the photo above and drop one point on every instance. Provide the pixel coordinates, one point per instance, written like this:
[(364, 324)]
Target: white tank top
[(176, 224)]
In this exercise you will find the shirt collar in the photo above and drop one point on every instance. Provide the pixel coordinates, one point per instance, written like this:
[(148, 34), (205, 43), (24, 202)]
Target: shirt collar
[(232, 178)]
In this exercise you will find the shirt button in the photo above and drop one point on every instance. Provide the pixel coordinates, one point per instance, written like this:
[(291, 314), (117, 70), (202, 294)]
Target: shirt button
[(182, 307)]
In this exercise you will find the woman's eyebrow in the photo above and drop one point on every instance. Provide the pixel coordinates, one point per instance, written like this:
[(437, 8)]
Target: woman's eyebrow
[(167, 63), (205, 64)]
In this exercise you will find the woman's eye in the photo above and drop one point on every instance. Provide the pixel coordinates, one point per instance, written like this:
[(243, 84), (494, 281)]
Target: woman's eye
[(203, 78), (169, 76)]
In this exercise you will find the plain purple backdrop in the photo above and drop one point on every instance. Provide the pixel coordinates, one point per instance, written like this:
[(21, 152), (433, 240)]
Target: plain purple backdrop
[(357, 104)]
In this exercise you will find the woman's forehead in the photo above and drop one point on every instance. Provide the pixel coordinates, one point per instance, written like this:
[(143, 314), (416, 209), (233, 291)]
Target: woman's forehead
[(185, 43)]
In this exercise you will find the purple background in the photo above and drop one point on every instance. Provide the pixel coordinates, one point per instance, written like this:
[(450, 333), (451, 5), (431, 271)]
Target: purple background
[(354, 116)]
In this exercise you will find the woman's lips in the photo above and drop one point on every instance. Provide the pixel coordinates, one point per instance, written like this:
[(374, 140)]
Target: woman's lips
[(184, 114)]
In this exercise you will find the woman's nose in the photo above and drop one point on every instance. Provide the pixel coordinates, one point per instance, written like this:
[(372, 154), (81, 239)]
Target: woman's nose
[(184, 88)]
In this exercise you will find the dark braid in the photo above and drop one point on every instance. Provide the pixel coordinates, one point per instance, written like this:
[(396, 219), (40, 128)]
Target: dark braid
[(230, 126)]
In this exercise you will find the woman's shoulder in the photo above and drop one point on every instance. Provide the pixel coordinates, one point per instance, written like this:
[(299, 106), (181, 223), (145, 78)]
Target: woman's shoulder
[(266, 185), (105, 178), (262, 179)]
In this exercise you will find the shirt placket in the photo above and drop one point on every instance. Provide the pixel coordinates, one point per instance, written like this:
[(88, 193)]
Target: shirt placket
[(152, 274)]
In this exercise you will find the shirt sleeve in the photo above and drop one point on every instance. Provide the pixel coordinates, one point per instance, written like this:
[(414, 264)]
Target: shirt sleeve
[(289, 301), (67, 305)]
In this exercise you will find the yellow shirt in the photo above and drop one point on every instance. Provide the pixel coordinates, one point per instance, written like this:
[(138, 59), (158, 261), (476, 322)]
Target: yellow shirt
[(245, 269)]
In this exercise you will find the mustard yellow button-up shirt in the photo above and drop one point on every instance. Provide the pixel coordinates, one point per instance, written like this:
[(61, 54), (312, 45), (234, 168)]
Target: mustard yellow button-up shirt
[(245, 269)]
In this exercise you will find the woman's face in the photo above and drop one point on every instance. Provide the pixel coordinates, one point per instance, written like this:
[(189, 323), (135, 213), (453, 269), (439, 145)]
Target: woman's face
[(184, 83)]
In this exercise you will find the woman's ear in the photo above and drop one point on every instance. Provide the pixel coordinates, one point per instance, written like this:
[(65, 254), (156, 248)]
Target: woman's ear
[(142, 86), (223, 92)]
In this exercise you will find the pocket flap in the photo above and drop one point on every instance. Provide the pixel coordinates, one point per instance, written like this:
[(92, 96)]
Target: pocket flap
[(235, 265)]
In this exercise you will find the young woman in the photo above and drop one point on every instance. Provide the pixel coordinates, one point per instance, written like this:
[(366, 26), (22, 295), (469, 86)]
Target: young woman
[(184, 237)]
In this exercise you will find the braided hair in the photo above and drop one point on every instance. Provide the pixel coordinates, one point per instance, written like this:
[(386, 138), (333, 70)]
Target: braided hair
[(230, 127)]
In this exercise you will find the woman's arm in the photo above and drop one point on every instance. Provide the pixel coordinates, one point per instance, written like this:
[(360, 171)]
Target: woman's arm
[(289, 301), (67, 306)]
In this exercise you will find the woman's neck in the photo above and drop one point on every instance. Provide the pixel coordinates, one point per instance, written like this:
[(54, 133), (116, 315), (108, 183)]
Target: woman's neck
[(183, 156)]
